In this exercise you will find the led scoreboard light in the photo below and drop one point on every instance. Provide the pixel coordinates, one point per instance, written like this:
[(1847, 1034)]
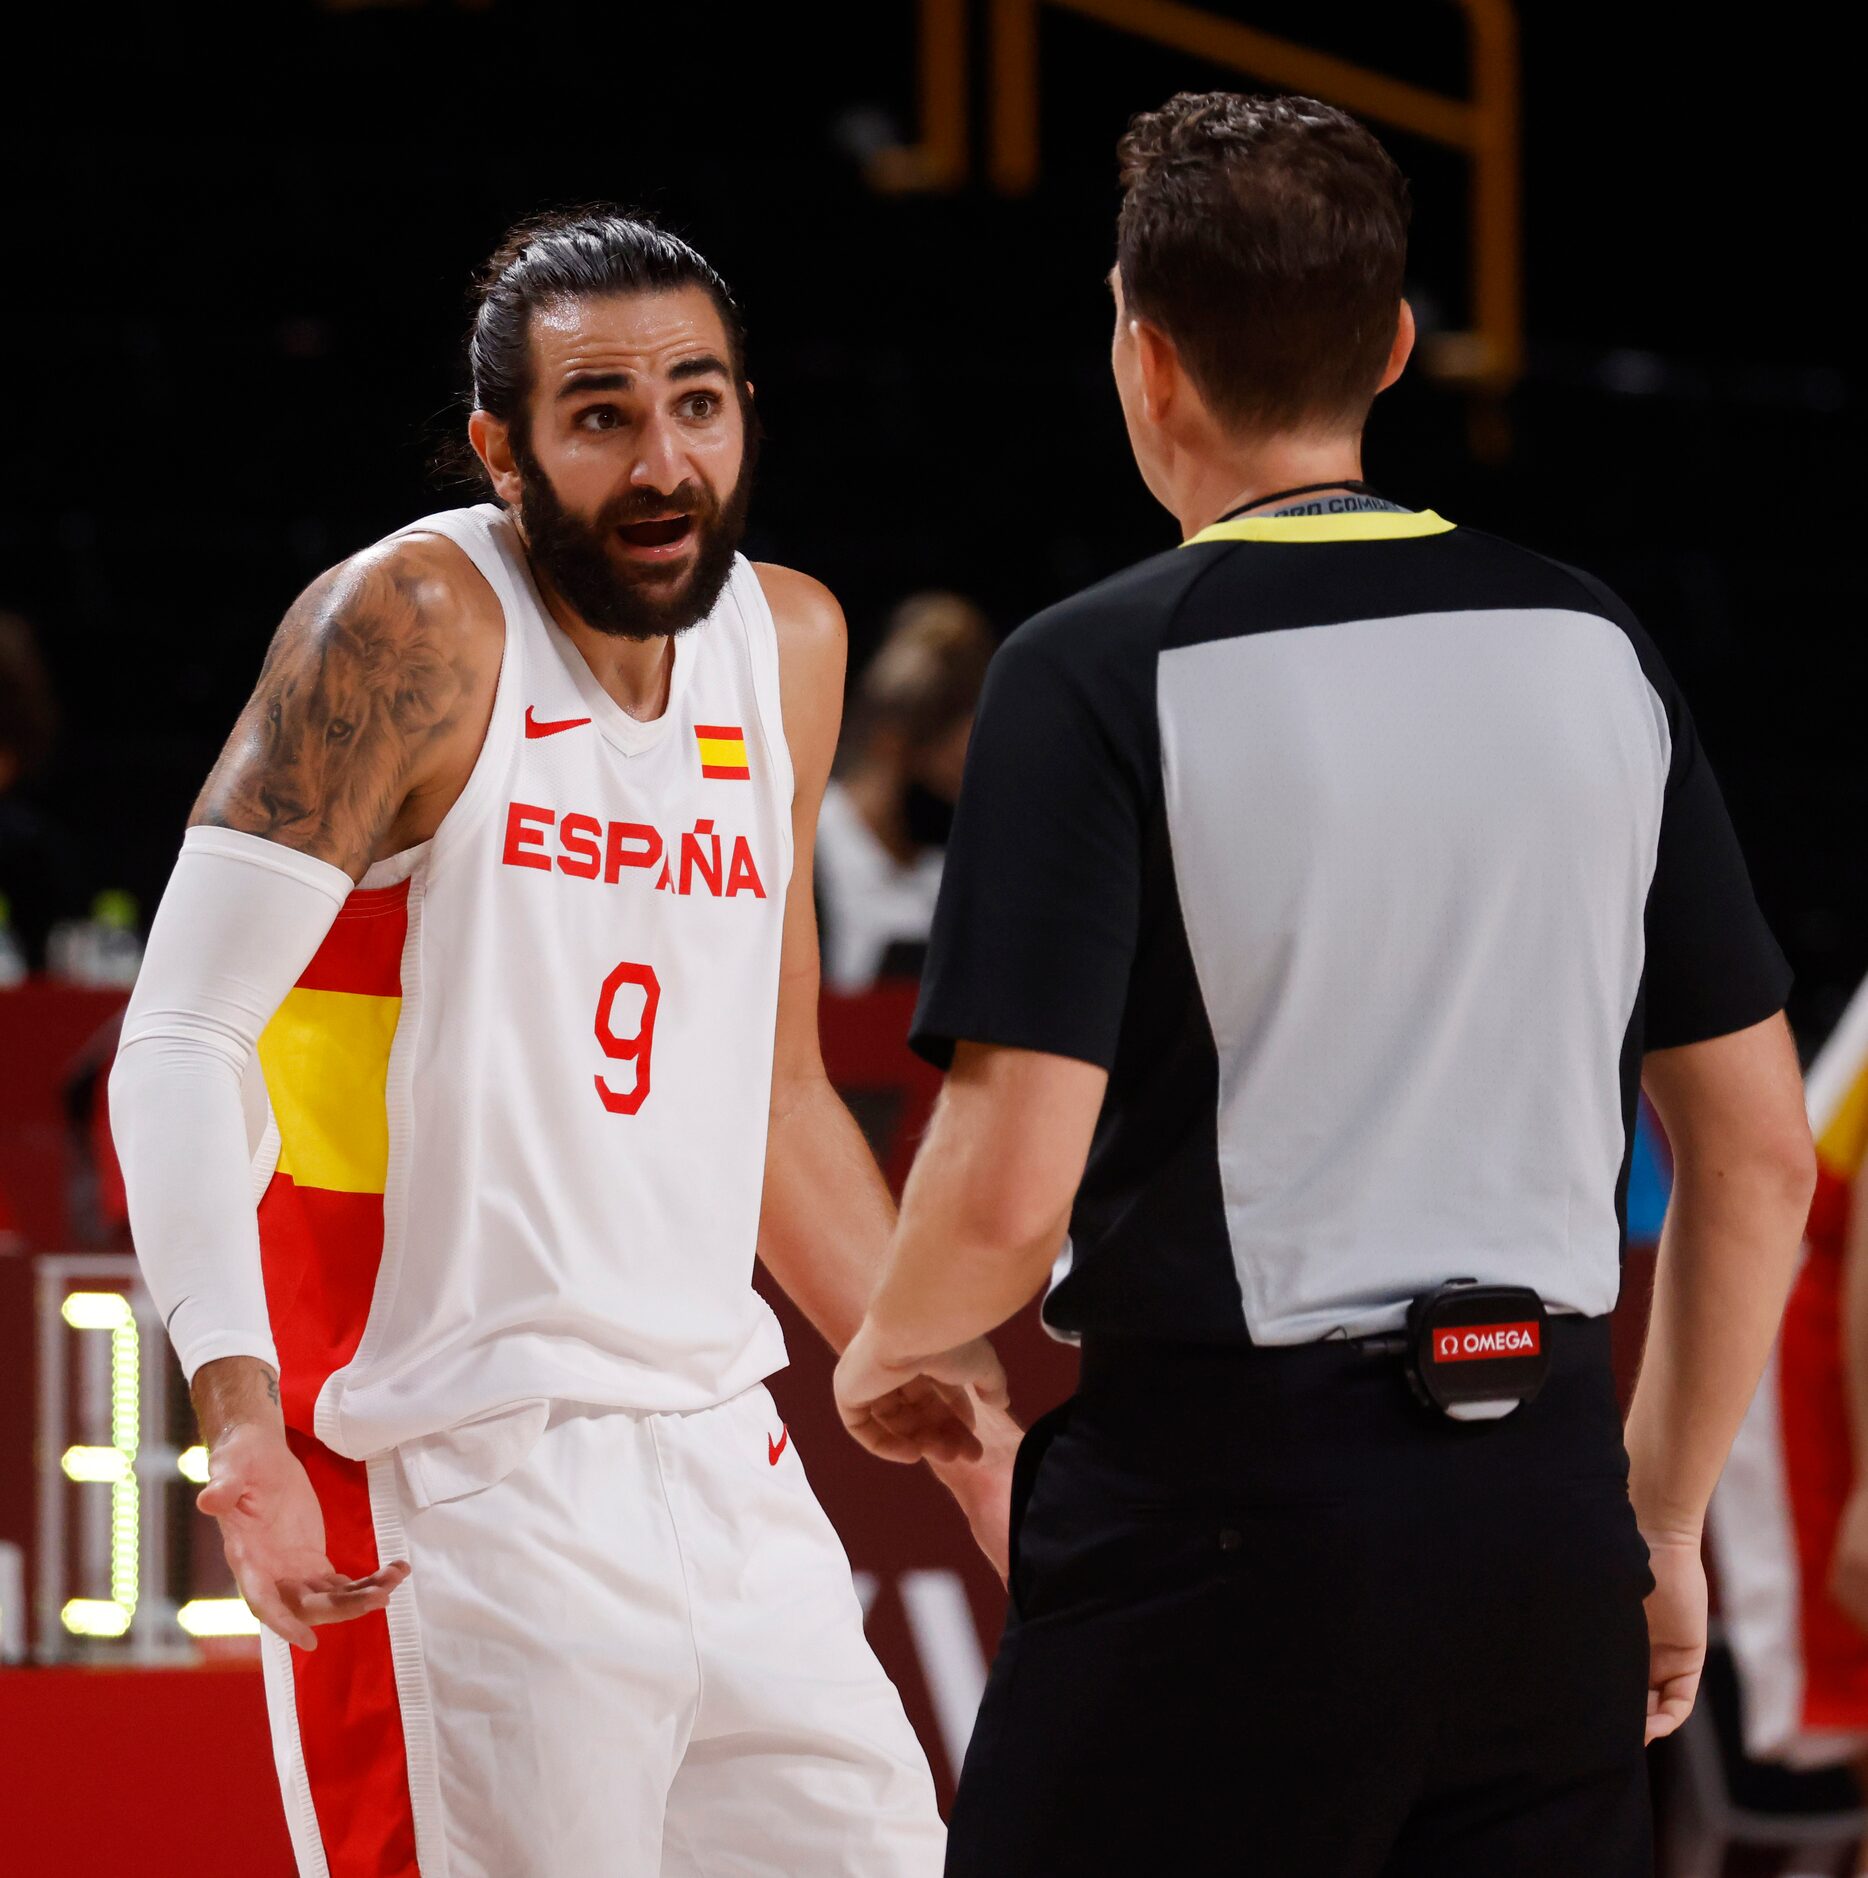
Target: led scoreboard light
[(120, 1546)]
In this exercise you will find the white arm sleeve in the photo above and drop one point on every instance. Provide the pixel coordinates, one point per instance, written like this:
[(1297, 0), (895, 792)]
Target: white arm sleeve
[(239, 922)]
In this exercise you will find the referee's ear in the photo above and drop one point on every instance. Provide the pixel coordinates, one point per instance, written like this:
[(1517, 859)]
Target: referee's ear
[(1402, 349), (1163, 380)]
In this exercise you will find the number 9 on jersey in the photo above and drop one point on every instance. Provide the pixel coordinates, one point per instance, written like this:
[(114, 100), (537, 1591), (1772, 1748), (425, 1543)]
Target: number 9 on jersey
[(616, 1002)]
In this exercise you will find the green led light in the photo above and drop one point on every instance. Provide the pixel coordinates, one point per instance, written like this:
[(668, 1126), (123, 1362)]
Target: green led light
[(93, 1465), (126, 1430), (94, 1617), (217, 1617), (96, 1310)]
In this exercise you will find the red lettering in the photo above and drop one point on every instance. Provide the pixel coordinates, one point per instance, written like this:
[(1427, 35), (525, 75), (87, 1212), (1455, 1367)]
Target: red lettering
[(588, 848), (637, 1049), (695, 855), (743, 877), (620, 855), (521, 836), (577, 836)]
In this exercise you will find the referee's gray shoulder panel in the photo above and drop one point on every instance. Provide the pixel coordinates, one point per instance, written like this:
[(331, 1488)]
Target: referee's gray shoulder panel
[(1599, 597)]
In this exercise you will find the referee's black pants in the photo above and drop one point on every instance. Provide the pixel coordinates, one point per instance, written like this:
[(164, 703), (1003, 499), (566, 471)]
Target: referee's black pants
[(1270, 1616)]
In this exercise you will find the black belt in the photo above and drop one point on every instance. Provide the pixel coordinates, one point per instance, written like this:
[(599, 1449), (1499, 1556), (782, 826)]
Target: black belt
[(1472, 1351), (1498, 1355)]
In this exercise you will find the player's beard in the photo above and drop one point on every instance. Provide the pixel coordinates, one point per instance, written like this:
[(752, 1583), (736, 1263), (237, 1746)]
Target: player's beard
[(573, 556)]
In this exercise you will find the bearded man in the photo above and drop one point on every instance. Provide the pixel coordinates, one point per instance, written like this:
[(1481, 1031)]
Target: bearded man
[(474, 1058)]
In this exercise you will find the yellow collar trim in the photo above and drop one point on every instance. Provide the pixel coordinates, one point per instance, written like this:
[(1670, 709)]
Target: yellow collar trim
[(1357, 525)]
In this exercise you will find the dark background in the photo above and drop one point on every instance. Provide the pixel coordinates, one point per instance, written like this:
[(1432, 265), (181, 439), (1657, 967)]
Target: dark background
[(237, 249)]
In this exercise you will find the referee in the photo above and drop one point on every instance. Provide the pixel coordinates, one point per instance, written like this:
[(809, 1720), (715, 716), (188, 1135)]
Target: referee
[(1321, 894)]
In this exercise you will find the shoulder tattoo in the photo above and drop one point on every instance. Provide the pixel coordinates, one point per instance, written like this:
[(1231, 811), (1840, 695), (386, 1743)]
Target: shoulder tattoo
[(360, 678)]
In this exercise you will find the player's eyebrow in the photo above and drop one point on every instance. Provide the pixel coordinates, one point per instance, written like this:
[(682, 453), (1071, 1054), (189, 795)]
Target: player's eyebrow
[(706, 365), (580, 382)]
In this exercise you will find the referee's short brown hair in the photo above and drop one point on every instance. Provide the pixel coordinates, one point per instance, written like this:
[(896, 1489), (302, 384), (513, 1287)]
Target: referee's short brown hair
[(1267, 237)]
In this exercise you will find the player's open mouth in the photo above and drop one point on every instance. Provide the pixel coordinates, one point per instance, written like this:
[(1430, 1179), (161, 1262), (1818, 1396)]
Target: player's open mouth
[(663, 538)]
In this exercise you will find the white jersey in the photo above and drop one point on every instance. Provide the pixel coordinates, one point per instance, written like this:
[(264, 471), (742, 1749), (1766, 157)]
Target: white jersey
[(869, 900), (519, 1098)]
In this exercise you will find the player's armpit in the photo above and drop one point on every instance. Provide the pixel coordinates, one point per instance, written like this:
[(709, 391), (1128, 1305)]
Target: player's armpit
[(382, 667)]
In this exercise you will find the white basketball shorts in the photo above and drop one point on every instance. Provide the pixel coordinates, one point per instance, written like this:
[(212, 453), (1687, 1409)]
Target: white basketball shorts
[(628, 1646)]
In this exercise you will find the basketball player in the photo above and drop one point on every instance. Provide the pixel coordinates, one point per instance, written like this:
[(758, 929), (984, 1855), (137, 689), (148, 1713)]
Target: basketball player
[(489, 968), (1789, 1524)]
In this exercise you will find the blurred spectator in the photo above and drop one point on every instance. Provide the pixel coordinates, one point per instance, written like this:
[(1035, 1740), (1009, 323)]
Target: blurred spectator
[(35, 868), (95, 1202), (883, 827)]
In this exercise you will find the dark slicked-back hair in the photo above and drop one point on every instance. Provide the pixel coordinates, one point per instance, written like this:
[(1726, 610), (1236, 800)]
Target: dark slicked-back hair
[(1267, 238), (575, 254)]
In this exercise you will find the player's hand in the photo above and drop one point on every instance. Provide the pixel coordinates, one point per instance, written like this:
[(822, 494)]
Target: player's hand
[(1676, 1630), (1848, 1569), (272, 1530), (983, 1487), (921, 1411)]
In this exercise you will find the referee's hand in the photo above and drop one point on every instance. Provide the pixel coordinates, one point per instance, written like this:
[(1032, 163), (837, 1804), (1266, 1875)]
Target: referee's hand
[(924, 1410), (983, 1488), (1676, 1629)]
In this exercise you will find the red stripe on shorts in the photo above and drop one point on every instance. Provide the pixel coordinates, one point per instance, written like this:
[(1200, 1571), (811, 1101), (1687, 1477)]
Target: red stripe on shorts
[(349, 1715)]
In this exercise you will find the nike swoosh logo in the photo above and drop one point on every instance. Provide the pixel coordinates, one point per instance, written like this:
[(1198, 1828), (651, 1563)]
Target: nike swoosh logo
[(776, 1448), (535, 727)]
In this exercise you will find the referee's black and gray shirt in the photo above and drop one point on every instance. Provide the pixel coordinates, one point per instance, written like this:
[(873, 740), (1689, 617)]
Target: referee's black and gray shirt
[(1367, 854)]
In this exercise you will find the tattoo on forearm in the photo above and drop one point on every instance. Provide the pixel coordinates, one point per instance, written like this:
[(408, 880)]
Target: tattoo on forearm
[(224, 1394), (361, 676)]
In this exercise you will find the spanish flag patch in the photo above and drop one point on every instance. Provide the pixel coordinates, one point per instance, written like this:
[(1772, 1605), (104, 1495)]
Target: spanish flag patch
[(723, 752)]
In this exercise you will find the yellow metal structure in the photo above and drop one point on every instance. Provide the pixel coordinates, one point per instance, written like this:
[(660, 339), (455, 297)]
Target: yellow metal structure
[(1484, 127), (939, 160)]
